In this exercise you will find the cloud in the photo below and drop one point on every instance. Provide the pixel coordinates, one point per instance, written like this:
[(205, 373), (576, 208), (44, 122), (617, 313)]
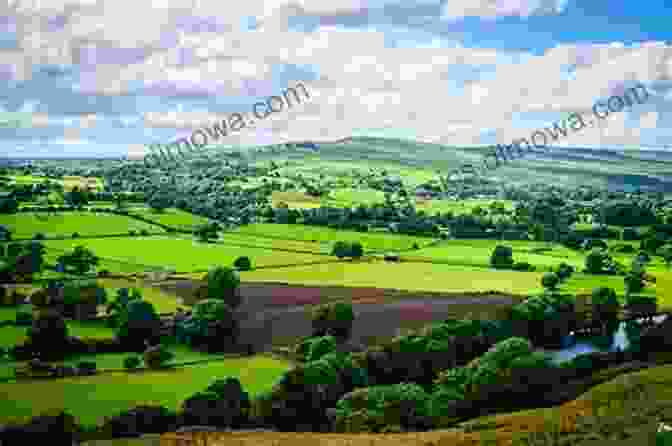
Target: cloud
[(491, 9)]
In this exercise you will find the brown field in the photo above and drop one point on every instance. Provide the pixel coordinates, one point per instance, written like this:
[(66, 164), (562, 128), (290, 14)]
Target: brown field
[(275, 314)]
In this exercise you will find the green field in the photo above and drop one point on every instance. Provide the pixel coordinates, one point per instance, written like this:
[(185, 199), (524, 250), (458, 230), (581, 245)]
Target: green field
[(403, 276), (63, 224), (181, 254), (175, 218), (371, 241), (92, 398)]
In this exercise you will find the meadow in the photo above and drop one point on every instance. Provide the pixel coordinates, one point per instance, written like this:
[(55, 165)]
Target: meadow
[(371, 241), (175, 218), (64, 224), (128, 255), (92, 398)]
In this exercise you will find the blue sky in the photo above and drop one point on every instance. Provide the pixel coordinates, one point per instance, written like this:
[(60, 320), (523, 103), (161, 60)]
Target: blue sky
[(85, 78)]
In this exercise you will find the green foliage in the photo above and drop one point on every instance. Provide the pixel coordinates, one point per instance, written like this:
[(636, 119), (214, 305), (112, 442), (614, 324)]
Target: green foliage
[(320, 347), (342, 249), (157, 357), (502, 257), (24, 318), (564, 271), (211, 310), (604, 296), (597, 261), (504, 352), (222, 283), (550, 281), (320, 372), (81, 260), (132, 362), (379, 406), (243, 263)]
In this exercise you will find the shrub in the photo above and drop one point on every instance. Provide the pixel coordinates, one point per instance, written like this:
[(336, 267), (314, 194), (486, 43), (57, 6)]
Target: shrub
[(550, 281), (144, 232), (75, 235), (38, 236), (140, 420), (373, 408), (86, 367), (132, 362), (157, 356), (564, 271), (24, 318), (320, 347), (596, 262), (132, 233), (523, 266), (502, 257), (243, 263)]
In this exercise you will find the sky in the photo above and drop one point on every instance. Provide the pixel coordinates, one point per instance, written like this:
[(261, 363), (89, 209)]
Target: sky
[(107, 78)]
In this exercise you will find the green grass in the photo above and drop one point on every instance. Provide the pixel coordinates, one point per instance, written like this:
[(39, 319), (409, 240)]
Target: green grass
[(180, 254), (25, 225), (13, 335), (403, 276), (370, 240), (92, 398), (163, 302), (175, 218)]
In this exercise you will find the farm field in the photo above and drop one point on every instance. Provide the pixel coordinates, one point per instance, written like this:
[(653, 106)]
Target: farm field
[(180, 254), (403, 276), (13, 335), (92, 398), (460, 207), (68, 182), (63, 224), (175, 218), (369, 240)]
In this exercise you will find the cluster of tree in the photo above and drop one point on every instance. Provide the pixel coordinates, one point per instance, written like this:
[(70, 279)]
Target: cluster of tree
[(343, 249), (20, 261), (80, 261)]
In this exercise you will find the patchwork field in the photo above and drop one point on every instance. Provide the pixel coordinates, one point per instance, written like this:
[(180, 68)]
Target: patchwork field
[(92, 398), (403, 276), (175, 218), (377, 241), (129, 255), (63, 224)]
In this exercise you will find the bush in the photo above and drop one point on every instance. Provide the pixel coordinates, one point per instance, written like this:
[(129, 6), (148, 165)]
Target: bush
[(596, 262), (140, 420), (157, 356), (320, 347), (374, 408), (75, 235), (502, 257), (243, 263), (38, 236), (144, 232), (132, 233), (86, 367), (24, 318), (132, 362), (523, 266), (624, 249), (550, 281)]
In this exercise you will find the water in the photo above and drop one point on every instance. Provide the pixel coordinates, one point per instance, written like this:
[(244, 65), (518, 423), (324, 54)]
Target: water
[(575, 346)]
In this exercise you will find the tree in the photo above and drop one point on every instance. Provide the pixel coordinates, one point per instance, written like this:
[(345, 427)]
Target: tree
[(81, 259), (222, 283), (243, 263), (597, 261), (48, 336), (157, 356), (206, 232), (550, 281), (605, 304), (340, 249), (502, 257), (138, 323), (158, 203), (666, 253), (356, 250)]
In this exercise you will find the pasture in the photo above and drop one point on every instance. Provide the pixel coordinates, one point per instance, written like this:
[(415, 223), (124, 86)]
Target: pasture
[(92, 398), (64, 224), (175, 218), (128, 255), (402, 276), (371, 241)]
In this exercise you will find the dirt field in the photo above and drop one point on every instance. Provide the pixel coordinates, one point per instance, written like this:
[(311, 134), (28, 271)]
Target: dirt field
[(278, 314)]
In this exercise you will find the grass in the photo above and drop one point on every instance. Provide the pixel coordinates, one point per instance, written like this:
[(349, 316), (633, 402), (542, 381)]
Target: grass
[(92, 398), (616, 399), (163, 302), (181, 254), (68, 182), (63, 224), (175, 218), (403, 276), (13, 335), (369, 240)]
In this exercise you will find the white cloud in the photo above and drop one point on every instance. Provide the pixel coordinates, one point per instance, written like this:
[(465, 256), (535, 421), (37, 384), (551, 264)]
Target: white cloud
[(457, 9)]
